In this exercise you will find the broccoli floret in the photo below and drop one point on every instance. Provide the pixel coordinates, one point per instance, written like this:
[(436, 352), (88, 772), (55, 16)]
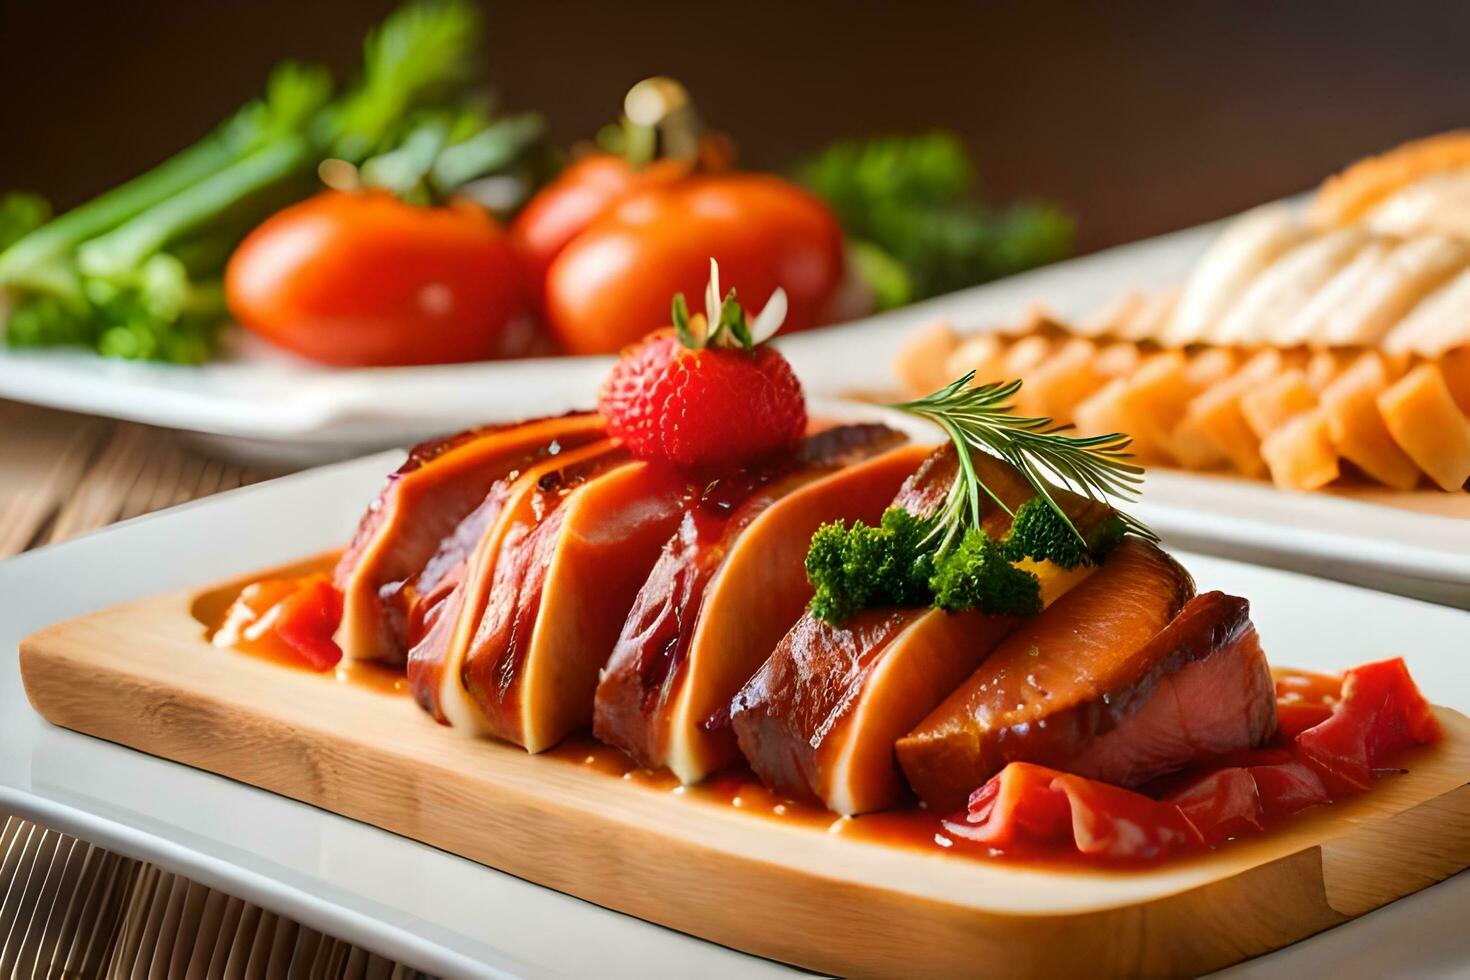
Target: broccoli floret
[(853, 567), (1038, 532), (908, 567), (977, 575), (842, 581)]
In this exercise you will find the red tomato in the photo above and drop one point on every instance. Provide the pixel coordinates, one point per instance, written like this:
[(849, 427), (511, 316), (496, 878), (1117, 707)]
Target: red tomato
[(287, 619), (613, 283), (561, 210), (365, 279)]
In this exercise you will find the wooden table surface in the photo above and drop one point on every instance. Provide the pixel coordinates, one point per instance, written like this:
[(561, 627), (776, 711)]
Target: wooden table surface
[(69, 908)]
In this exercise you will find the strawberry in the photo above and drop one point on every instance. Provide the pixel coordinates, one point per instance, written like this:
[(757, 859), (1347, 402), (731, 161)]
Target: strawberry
[(705, 398)]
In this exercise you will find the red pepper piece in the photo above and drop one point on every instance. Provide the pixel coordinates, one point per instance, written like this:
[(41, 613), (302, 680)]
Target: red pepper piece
[(1240, 799), (1028, 807), (307, 620), (1379, 714), (1304, 700)]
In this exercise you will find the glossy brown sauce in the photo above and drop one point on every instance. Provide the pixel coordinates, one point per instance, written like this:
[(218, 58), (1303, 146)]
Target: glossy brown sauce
[(911, 826), (209, 610)]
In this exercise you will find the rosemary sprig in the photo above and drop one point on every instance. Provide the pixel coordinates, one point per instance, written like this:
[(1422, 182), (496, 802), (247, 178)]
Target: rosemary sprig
[(982, 418)]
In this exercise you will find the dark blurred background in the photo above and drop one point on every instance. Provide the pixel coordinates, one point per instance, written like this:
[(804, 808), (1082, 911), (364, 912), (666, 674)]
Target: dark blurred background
[(1139, 117)]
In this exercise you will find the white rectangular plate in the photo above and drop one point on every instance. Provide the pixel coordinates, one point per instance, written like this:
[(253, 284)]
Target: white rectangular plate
[(266, 407), (262, 404), (450, 916)]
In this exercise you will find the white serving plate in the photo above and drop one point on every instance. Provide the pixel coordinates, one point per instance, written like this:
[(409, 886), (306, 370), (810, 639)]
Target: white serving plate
[(265, 406), (451, 916)]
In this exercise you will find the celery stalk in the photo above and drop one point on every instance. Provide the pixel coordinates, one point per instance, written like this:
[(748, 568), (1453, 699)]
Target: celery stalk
[(98, 215), (126, 246)]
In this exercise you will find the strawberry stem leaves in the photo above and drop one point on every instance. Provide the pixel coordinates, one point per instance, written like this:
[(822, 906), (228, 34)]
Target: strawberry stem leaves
[(732, 329)]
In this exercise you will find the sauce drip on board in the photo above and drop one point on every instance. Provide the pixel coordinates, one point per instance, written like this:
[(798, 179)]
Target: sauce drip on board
[(1304, 700), (215, 609)]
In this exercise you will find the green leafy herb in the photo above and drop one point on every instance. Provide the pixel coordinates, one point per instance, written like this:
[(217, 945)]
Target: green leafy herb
[(423, 54), (853, 567), (912, 200), (975, 574), (981, 418), (135, 272), (946, 559)]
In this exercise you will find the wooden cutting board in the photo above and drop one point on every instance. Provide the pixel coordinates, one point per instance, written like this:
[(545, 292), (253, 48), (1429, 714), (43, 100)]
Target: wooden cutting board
[(821, 895)]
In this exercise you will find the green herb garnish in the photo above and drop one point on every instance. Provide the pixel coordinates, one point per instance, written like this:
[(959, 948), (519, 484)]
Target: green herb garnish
[(981, 418), (909, 205), (1041, 534), (947, 559)]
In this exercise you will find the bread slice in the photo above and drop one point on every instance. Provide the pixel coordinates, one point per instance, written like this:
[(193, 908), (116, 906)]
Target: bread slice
[(1311, 320), (1414, 270), (1438, 204), (1440, 322)]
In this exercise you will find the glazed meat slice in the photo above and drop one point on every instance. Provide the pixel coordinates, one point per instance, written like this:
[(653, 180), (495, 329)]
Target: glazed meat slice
[(572, 558), (1200, 688), (442, 636), (1059, 680), (818, 721), (820, 718), (391, 561), (728, 585)]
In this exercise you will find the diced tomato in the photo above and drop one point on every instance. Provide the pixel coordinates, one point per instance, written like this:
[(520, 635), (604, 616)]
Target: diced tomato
[(1026, 807), (1295, 717), (1222, 805), (1240, 799), (1379, 714), (1018, 805), (1337, 733), (308, 619), (289, 619), (1288, 786), (1304, 699)]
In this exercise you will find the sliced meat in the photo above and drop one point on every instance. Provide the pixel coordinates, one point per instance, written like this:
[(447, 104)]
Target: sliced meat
[(572, 558), (819, 720), (442, 484), (1034, 698), (728, 585), (436, 659), (1200, 688)]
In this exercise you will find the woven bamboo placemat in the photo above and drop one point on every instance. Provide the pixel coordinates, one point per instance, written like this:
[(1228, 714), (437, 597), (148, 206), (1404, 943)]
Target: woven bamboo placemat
[(71, 909)]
